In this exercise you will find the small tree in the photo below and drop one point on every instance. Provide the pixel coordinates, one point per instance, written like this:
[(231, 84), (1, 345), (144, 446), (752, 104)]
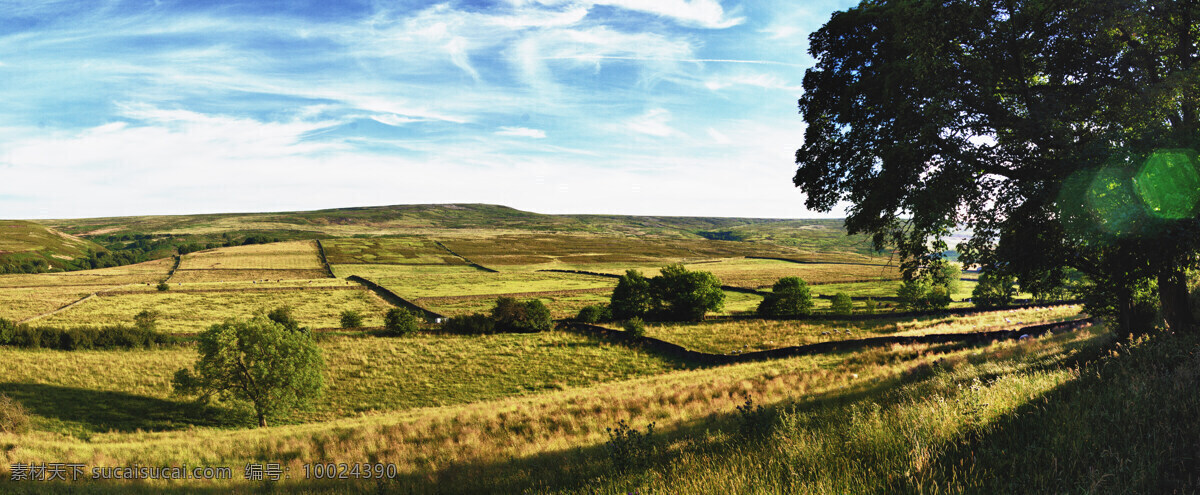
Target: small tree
[(680, 294), (400, 322), (521, 316), (472, 324), (994, 290), (351, 319), (913, 294), (841, 305), (635, 326), (789, 297), (163, 287), (258, 360), (594, 314), (631, 297), (870, 306)]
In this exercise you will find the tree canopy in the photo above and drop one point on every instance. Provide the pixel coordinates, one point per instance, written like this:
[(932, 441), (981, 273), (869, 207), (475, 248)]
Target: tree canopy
[(259, 361), (789, 297), (1060, 133)]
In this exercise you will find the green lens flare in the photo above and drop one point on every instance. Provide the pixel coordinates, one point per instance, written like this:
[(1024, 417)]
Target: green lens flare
[(1113, 201), (1169, 184)]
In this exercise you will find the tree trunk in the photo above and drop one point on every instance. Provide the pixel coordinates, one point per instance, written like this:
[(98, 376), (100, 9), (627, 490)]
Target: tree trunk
[(262, 420), (1125, 313), (1173, 296)]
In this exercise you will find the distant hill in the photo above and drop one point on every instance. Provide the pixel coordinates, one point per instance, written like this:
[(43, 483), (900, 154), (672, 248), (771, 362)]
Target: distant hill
[(25, 244), (826, 235)]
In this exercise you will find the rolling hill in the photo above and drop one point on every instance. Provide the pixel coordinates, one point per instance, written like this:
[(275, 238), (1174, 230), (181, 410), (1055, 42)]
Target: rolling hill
[(30, 243)]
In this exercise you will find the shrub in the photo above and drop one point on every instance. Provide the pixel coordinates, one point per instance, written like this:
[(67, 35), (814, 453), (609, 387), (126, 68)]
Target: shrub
[(13, 418), (473, 324), (753, 420), (635, 326), (82, 338), (629, 448), (994, 290), (511, 315), (8, 330), (595, 313), (163, 286), (841, 304), (870, 306), (146, 320), (789, 297), (400, 322), (351, 319), (283, 316)]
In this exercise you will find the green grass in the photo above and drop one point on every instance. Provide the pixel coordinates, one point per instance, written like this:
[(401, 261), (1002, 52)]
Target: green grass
[(22, 240), (83, 393), (150, 272), (194, 312), (436, 281)]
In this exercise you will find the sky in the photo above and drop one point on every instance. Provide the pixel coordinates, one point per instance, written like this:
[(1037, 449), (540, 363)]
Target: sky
[(650, 107)]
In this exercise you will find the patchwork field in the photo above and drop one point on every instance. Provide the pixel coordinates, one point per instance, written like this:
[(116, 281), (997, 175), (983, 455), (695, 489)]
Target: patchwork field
[(194, 312), (150, 272), (296, 255)]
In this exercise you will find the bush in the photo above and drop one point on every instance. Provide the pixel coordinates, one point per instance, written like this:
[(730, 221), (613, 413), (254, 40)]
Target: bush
[(753, 420), (870, 306), (8, 330), (789, 297), (629, 448), (351, 319), (13, 418), (841, 305), (163, 286), (511, 315), (283, 316), (400, 322), (83, 338), (595, 313), (635, 326), (146, 320), (473, 324), (994, 290)]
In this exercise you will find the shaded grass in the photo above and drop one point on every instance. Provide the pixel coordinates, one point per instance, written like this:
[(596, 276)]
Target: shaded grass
[(388, 250), (150, 272)]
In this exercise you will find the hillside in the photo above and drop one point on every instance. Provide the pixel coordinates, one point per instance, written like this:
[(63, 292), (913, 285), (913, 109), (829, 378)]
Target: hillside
[(24, 243), (824, 235)]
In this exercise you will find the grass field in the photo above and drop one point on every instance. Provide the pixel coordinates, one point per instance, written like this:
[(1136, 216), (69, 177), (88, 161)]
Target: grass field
[(22, 240), (127, 391), (755, 335), (383, 251), (913, 409), (247, 275), (295, 255), (150, 272), (437, 281), (19, 304), (193, 312)]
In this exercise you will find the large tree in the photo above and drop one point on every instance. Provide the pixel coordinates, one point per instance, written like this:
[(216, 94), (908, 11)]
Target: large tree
[(1060, 133), (260, 361)]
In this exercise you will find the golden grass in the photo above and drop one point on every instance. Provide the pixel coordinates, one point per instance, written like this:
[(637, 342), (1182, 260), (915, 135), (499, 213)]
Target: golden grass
[(756, 335), (194, 312), (294, 255), (19, 304), (435, 281), (247, 275), (388, 251), (519, 442)]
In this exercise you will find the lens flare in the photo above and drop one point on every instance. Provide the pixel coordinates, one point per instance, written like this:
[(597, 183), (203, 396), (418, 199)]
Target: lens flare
[(1114, 202), (1169, 184)]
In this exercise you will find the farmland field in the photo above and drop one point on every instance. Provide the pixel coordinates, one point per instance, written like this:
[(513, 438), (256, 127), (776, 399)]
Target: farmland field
[(384, 251), (242, 275), (193, 312), (296, 255), (150, 272)]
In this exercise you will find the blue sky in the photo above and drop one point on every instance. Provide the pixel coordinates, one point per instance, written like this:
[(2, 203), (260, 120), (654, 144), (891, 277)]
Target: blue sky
[(664, 107)]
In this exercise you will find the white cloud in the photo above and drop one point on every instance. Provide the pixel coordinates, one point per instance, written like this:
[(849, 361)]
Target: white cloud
[(521, 132), (718, 137), (654, 123), (702, 13)]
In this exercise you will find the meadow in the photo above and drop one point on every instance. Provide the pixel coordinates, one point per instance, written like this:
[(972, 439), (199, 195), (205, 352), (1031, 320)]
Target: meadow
[(513, 413), (185, 312)]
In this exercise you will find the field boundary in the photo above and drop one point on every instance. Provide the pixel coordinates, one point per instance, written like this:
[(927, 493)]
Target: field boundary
[(817, 262), (677, 351), (174, 267), (59, 310), (245, 289), (464, 258), (393, 298), (324, 260), (897, 314)]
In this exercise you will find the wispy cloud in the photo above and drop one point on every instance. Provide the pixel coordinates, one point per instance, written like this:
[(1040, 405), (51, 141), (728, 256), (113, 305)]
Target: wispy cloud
[(182, 107)]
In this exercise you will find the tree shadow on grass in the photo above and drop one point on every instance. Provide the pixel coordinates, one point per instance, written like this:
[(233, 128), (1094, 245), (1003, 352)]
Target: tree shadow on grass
[(90, 411)]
